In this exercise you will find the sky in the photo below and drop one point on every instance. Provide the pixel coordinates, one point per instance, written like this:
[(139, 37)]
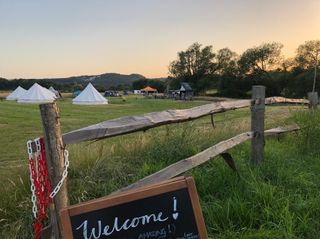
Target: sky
[(61, 38)]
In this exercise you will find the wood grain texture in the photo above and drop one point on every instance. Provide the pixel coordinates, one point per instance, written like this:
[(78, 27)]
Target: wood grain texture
[(257, 123), (202, 157), (55, 161), (130, 124), (197, 208), (313, 100)]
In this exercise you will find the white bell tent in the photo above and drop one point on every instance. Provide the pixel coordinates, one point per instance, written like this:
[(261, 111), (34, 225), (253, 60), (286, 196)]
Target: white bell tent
[(90, 96), (19, 91), (37, 94), (53, 90)]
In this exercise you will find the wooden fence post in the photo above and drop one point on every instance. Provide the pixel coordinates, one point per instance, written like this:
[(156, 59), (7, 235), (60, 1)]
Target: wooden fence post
[(55, 161), (257, 123), (313, 100)]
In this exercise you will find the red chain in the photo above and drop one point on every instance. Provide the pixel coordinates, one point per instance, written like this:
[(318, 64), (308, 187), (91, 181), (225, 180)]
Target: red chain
[(43, 188)]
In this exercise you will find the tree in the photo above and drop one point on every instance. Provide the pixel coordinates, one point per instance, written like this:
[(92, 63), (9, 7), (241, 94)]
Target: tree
[(287, 64), (261, 59), (226, 61), (227, 67), (194, 65), (160, 85), (139, 84), (193, 62), (308, 56)]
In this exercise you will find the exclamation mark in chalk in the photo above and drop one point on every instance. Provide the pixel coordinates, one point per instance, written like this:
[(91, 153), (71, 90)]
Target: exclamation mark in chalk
[(175, 214)]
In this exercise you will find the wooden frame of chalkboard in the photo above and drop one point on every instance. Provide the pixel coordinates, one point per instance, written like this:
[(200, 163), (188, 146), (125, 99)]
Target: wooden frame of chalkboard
[(178, 184)]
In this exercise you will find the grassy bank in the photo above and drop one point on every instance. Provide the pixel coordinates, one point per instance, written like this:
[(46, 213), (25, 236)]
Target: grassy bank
[(278, 199)]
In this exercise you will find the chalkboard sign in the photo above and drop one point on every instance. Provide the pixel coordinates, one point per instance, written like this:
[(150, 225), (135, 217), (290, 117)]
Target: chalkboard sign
[(167, 210)]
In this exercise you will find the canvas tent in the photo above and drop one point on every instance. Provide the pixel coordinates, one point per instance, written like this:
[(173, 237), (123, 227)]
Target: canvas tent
[(18, 92), (53, 90), (90, 96), (149, 90), (185, 92), (37, 94)]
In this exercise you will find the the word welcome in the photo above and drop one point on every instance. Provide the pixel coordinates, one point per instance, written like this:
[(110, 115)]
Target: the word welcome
[(107, 230)]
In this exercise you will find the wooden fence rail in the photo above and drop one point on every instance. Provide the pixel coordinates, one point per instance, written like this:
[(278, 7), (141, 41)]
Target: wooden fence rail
[(202, 157), (55, 142), (130, 124)]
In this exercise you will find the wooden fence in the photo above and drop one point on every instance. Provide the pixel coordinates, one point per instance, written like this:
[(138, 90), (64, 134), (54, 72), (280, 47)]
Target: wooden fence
[(55, 142), (219, 149), (130, 124)]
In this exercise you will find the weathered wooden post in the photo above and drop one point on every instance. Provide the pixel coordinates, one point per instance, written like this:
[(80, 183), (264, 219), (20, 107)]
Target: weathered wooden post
[(55, 162), (257, 123), (313, 100)]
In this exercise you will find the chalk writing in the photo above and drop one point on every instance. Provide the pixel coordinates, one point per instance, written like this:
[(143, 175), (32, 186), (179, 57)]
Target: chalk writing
[(188, 236), (175, 214), (167, 215), (161, 233), (107, 230), (158, 234)]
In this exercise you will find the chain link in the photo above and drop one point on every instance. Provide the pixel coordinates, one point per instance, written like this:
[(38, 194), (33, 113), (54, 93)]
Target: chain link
[(32, 186), (33, 196), (37, 153), (38, 146), (40, 184), (29, 147), (64, 175)]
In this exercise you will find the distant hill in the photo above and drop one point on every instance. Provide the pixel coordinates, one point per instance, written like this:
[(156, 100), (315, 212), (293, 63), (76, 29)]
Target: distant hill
[(106, 80), (103, 81)]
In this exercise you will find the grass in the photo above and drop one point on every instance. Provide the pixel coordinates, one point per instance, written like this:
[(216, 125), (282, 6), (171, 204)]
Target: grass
[(278, 199), (21, 122)]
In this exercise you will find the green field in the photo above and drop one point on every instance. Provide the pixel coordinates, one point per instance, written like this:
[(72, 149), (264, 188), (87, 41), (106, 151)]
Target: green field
[(278, 199), (21, 122)]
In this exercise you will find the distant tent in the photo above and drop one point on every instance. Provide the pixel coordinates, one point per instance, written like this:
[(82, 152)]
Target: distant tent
[(185, 87), (57, 93), (19, 91), (136, 92), (89, 96), (185, 92), (149, 90), (76, 93), (37, 94)]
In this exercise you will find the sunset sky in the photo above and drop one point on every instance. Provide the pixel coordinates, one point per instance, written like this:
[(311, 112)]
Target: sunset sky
[(59, 38)]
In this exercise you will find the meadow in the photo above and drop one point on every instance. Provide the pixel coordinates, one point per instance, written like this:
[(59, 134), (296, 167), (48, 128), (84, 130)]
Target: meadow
[(278, 199)]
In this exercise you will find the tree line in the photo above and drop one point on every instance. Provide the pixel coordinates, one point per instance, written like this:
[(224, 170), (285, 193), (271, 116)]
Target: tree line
[(233, 75), (159, 84), (27, 83)]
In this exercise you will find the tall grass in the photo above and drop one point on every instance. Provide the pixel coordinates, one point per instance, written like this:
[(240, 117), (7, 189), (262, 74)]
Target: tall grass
[(278, 199), (309, 122), (104, 166), (15, 205)]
